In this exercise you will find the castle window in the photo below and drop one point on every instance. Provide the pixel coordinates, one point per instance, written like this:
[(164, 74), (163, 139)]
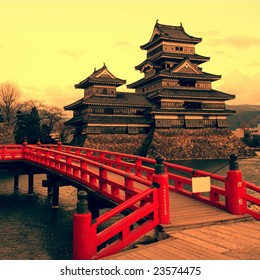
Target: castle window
[(187, 83), (179, 49), (193, 105), (109, 111), (104, 91)]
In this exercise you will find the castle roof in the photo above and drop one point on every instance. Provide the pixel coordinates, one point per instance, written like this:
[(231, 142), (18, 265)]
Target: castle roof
[(165, 73), (101, 76), (125, 99), (191, 94), (196, 58), (225, 112), (122, 99), (169, 33)]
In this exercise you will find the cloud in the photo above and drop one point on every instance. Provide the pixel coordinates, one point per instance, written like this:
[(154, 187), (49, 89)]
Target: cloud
[(244, 86), (51, 95), (239, 42), (73, 54), (123, 44), (209, 33), (61, 96), (255, 64)]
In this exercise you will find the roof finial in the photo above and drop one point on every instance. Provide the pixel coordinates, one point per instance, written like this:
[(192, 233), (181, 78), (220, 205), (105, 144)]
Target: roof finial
[(104, 65), (157, 21), (95, 69)]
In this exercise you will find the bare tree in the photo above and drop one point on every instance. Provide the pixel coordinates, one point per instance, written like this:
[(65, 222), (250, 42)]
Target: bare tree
[(53, 116), (9, 100)]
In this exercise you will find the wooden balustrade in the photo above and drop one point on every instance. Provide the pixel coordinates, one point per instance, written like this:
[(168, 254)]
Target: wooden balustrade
[(127, 179), (178, 183)]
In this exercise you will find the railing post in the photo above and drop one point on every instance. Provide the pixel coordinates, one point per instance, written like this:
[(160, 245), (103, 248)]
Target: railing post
[(102, 179), (235, 188), (25, 144), (128, 186), (39, 142), (160, 181), (59, 147), (84, 241), (83, 169), (138, 167)]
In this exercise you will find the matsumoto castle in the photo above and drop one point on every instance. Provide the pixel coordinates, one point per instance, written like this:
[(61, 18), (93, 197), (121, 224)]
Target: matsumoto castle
[(173, 111)]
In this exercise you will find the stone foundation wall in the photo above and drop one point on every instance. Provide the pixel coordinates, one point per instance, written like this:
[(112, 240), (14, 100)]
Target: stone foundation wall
[(122, 143), (174, 143), (206, 143)]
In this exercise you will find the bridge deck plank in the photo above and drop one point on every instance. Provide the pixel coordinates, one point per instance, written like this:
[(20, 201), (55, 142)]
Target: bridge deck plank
[(187, 212), (200, 232)]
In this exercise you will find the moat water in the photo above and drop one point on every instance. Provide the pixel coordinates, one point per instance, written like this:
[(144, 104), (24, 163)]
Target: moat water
[(31, 229)]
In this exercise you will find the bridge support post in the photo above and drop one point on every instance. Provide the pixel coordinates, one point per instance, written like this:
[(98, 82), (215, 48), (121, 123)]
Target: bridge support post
[(160, 181), (49, 190), (30, 183), (84, 245), (55, 195), (48, 184), (235, 188), (16, 181)]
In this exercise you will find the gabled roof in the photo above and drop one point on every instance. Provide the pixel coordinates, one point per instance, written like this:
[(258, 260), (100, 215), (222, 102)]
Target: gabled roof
[(173, 57), (165, 73), (186, 67), (101, 76), (169, 33)]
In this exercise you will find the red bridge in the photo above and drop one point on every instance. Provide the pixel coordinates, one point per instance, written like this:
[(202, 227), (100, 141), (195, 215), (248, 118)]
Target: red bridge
[(139, 188)]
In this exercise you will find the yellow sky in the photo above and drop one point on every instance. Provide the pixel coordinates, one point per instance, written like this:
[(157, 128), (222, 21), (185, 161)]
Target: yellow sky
[(48, 46)]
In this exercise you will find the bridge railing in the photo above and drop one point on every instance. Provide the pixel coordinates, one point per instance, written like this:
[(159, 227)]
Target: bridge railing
[(140, 166), (126, 189), (252, 197), (113, 183), (11, 152), (144, 167), (91, 243)]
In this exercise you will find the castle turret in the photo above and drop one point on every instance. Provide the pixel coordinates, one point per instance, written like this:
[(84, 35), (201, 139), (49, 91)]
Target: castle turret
[(175, 83)]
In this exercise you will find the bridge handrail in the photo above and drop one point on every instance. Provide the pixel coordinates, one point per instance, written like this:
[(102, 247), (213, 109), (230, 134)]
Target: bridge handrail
[(99, 244), (76, 163), (9, 152), (252, 202), (146, 205), (140, 166), (123, 226), (120, 208), (136, 168), (31, 153)]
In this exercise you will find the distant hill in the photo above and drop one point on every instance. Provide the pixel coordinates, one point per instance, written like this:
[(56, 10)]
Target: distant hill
[(246, 116)]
